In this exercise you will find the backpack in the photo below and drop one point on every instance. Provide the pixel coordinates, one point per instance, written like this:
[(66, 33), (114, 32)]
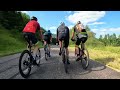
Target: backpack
[(49, 35), (62, 30)]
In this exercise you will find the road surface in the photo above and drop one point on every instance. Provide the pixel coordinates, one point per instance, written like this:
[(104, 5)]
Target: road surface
[(54, 68)]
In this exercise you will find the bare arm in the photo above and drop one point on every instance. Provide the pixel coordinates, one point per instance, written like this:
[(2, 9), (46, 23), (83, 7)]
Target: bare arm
[(73, 33), (51, 38), (57, 35), (41, 35)]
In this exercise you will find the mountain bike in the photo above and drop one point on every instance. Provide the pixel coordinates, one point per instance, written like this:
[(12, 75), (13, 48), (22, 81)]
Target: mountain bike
[(84, 58), (26, 59), (47, 52)]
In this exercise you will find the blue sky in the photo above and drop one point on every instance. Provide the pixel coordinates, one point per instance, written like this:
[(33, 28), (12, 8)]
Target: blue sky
[(100, 22)]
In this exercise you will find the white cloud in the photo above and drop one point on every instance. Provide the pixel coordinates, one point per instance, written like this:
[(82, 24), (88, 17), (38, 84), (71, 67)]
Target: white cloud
[(104, 31), (85, 16), (70, 26), (53, 29), (114, 29), (96, 23)]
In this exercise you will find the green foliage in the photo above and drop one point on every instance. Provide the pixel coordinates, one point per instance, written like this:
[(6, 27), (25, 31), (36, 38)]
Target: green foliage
[(110, 40), (13, 20)]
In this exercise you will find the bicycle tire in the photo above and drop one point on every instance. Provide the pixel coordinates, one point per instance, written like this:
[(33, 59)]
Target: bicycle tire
[(85, 59), (38, 57), (65, 60), (46, 54), (20, 63)]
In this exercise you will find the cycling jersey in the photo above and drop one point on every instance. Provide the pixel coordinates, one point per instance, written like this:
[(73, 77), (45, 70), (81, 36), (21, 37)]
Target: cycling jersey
[(31, 26), (77, 31), (63, 34), (47, 36)]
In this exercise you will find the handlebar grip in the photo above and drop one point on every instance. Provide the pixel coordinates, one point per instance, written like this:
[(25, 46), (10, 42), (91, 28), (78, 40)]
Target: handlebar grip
[(72, 39)]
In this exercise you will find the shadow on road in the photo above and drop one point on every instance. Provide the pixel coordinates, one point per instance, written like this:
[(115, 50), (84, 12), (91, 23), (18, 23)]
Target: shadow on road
[(76, 67), (54, 68)]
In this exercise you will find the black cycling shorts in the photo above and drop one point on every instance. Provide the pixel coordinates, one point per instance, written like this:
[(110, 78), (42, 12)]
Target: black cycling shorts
[(79, 40), (62, 37), (31, 37), (47, 39)]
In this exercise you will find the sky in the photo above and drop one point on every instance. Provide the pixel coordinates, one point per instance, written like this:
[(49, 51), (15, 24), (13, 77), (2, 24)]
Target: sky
[(100, 22)]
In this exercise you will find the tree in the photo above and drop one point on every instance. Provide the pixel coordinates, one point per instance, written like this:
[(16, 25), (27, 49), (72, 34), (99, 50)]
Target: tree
[(87, 28)]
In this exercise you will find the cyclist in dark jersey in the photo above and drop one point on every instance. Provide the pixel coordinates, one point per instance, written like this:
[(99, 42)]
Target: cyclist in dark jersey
[(80, 36), (30, 30), (47, 39), (63, 35)]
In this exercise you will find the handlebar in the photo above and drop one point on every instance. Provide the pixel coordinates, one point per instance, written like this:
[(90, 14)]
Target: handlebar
[(73, 39)]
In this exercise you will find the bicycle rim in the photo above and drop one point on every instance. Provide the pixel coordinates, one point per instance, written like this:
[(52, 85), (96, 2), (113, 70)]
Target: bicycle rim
[(46, 54), (64, 60), (25, 63), (66, 66), (38, 57), (85, 59)]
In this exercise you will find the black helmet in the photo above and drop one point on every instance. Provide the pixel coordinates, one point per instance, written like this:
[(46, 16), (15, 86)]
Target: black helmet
[(49, 31), (78, 22), (33, 18)]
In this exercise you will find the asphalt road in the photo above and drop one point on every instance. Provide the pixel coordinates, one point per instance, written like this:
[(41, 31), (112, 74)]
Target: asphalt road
[(54, 68)]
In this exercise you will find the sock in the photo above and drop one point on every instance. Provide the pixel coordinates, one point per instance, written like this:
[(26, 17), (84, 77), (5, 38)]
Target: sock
[(60, 49), (44, 47)]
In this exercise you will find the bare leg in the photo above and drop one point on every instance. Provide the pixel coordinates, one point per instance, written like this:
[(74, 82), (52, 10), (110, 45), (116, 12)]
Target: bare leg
[(60, 45), (35, 50), (49, 46), (76, 49), (45, 43), (49, 49), (67, 52)]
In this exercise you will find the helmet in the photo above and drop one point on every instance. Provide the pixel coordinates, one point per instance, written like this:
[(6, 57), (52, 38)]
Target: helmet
[(33, 18), (62, 23), (78, 22), (48, 30)]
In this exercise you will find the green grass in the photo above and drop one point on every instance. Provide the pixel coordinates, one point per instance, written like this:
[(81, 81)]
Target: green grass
[(109, 56), (11, 42)]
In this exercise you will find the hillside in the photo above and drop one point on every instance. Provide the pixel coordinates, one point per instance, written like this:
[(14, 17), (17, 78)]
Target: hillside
[(9, 42)]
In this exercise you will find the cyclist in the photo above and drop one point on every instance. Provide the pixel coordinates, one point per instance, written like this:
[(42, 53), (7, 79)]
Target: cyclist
[(81, 36), (63, 34), (30, 30), (47, 39)]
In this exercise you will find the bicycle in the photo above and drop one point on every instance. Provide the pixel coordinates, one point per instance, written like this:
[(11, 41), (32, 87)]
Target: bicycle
[(84, 56), (27, 62), (47, 52), (64, 56)]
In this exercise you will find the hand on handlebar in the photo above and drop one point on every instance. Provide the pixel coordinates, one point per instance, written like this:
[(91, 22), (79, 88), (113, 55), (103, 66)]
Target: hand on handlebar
[(72, 39)]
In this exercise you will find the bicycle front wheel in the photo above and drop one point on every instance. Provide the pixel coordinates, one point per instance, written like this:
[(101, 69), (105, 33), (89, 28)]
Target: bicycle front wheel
[(38, 57), (25, 63)]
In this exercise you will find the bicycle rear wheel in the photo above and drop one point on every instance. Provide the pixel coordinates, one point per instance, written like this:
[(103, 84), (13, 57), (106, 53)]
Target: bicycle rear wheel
[(64, 58), (25, 63), (85, 59), (46, 54)]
